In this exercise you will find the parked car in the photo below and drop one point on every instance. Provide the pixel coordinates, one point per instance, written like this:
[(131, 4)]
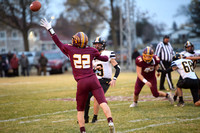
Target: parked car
[(57, 62)]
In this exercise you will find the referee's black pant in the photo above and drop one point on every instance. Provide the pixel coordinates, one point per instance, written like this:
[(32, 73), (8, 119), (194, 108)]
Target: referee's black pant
[(165, 65)]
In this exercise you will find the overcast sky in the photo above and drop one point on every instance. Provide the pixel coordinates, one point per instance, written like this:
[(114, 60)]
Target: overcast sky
[(161, 11)]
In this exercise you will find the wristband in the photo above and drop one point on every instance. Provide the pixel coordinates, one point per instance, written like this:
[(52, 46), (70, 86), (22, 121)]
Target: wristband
[(144, 80), (52, 32), (114, 78)]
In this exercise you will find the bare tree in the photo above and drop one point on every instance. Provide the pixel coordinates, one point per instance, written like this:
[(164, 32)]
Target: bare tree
[(17, 14), (82, 17)]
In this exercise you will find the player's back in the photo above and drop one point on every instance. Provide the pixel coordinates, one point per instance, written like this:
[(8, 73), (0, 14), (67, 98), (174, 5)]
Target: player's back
[(185, 68), (81, 61)]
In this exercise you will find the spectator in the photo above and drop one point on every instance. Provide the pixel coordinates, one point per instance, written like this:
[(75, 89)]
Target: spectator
[(24, 65), (42, 64), (165, 52), (134, 56), (1, 67), (5, 66), (9, 55), (14, 64)]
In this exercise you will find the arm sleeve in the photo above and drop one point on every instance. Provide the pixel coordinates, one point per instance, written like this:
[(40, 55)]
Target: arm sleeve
[(61, 46), (117, 68), (102, 58)]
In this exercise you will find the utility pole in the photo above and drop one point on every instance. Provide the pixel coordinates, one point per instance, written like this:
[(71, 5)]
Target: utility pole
[(127, 32)]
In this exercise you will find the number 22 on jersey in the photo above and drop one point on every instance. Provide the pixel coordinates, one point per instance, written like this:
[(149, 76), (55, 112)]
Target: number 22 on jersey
[(81, 61)]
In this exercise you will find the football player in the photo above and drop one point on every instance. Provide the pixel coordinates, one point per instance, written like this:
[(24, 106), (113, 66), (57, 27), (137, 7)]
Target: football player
[(146, 66), (194, 55), (81, 58), (103, 71), (188, 77)]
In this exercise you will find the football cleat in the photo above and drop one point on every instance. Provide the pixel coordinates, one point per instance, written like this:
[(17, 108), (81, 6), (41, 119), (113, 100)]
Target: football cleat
[(112, 127), (170, 99), (175, 98), (134, 104), (94, 120), (197, 103), (180, 104)]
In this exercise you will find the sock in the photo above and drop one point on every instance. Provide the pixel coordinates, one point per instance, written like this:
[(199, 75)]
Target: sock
[(95, 117), (110, 119), (181, 99), (175, 98), (82, 129), (167, 95)]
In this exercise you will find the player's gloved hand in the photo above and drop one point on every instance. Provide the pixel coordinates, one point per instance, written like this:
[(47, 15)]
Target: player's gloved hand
[(44, 23)]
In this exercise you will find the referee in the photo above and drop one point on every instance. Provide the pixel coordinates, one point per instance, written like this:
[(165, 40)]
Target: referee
[(165, 52)]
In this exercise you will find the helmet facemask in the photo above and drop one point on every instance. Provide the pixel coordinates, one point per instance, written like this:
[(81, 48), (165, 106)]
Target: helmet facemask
[(189, 47), (147, 58), (147, 54), (98, 46), (99, 43)]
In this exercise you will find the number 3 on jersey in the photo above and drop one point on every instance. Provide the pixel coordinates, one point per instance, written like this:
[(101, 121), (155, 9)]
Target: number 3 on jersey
[(81, 61)]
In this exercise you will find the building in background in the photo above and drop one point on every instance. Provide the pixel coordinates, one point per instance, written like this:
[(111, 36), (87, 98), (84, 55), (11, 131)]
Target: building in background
[(12, 40)]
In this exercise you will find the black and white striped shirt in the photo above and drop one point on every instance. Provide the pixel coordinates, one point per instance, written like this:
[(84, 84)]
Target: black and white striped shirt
[(164, 52)]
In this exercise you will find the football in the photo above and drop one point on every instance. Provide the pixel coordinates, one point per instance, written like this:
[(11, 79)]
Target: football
[(35, 6)]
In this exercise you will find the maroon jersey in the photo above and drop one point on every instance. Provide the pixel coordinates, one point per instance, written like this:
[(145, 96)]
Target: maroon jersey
[(148, 69), (81, 59)]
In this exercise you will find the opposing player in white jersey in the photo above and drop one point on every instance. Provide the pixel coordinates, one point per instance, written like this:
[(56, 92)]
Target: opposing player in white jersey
[(194, 55), (103, 71), (188, 77)]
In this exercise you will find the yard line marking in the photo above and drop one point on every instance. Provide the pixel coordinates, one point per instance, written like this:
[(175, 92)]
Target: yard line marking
[(62, 120), (160, 124), (20, 118), (138, 120), (22, 122)]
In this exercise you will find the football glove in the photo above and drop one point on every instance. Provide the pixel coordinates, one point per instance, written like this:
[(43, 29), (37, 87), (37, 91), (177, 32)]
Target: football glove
[(44, 23)]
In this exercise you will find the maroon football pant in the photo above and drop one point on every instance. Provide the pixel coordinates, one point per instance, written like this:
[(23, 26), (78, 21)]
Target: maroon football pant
[(86, 85), (139, 85)]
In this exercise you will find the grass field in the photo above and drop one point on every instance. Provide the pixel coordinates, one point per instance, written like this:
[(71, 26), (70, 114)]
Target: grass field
[(47, 104)]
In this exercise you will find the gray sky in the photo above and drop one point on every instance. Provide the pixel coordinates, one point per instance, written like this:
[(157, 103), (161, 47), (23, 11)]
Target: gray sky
[(161, 11)]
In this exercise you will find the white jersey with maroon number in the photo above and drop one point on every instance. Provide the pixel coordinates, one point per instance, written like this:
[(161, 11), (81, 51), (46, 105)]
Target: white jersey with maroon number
[(185, 68), (106, 67)]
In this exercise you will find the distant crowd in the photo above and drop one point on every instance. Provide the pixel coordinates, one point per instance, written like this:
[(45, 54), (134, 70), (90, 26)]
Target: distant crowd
[(10, 64)]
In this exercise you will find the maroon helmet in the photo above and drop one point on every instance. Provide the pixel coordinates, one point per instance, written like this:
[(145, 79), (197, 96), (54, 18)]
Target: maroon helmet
[(80, 40)]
